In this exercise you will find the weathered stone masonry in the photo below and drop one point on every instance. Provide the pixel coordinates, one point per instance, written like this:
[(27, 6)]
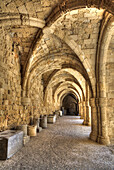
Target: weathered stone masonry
[(49, 49)]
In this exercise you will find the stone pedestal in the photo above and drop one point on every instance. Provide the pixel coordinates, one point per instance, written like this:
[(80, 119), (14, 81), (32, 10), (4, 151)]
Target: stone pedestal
[(39, 129), (10, 142), (32, 130), (26, 139), (51, 119), (36, 122), (57, 114), (60, 113), (43, 121)]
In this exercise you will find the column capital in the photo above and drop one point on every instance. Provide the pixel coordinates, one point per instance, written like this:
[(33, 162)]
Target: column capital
[(26, 101)]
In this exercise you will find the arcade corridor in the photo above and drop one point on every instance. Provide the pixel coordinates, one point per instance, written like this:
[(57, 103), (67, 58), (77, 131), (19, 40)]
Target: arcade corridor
[(62, 146), (57, 57)]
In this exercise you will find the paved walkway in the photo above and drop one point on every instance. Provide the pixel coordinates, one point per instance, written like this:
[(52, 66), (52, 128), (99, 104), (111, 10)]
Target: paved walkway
[(62, 146)]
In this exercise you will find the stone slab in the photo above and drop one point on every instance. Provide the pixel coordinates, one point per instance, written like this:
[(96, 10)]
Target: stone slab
[(10, 142)]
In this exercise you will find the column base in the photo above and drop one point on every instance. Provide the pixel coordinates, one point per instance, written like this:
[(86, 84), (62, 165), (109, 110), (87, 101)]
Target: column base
[(84, 122), (103, 140), (81, 117), (93, 136), (87, 124)]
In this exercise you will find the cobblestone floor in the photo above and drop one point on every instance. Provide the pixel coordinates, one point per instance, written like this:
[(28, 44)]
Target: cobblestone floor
[(62, 146)]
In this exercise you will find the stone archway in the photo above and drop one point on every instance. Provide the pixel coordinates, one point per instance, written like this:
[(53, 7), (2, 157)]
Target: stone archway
[(105, 84), (70, 105)]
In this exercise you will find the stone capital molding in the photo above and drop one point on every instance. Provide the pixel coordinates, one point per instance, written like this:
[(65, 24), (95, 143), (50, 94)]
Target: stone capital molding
[(26, 101), (7, 19)]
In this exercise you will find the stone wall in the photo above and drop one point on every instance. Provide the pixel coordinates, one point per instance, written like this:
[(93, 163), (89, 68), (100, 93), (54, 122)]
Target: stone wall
[(57, 60), (10, 80), (12, 112)]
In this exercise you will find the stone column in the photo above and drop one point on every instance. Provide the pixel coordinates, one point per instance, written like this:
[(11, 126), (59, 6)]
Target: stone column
[(81, 111), (79, 108), (94, 119), (103, 137), (87, 120), (84, 112)]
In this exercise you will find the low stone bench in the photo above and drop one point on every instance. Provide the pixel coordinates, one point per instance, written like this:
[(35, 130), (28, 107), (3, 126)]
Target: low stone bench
[(10, 142), (51, 119)]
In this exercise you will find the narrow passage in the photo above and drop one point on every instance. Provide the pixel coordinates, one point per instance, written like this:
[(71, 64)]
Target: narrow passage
[(64, 145)]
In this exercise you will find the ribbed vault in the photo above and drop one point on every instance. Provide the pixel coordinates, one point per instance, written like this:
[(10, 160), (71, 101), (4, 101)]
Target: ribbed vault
[(50, 49)]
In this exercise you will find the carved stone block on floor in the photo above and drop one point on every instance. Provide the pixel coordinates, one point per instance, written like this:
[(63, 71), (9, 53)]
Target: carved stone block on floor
[(51, 119), (39, 129), (26, 139), (10, 142)]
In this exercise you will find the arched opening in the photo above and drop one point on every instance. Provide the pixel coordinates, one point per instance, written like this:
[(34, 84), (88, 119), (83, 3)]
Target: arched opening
[(58, 56), (70, 105)]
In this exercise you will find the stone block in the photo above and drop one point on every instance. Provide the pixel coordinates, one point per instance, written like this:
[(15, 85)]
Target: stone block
[(26, 101), (6, 102), (51, 119), (43, 121), (26, 139), (31, 130), (22, 9), (36, 122), (23, 128), (60, 112), (2, 91), (10, 142), (39, 129)]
